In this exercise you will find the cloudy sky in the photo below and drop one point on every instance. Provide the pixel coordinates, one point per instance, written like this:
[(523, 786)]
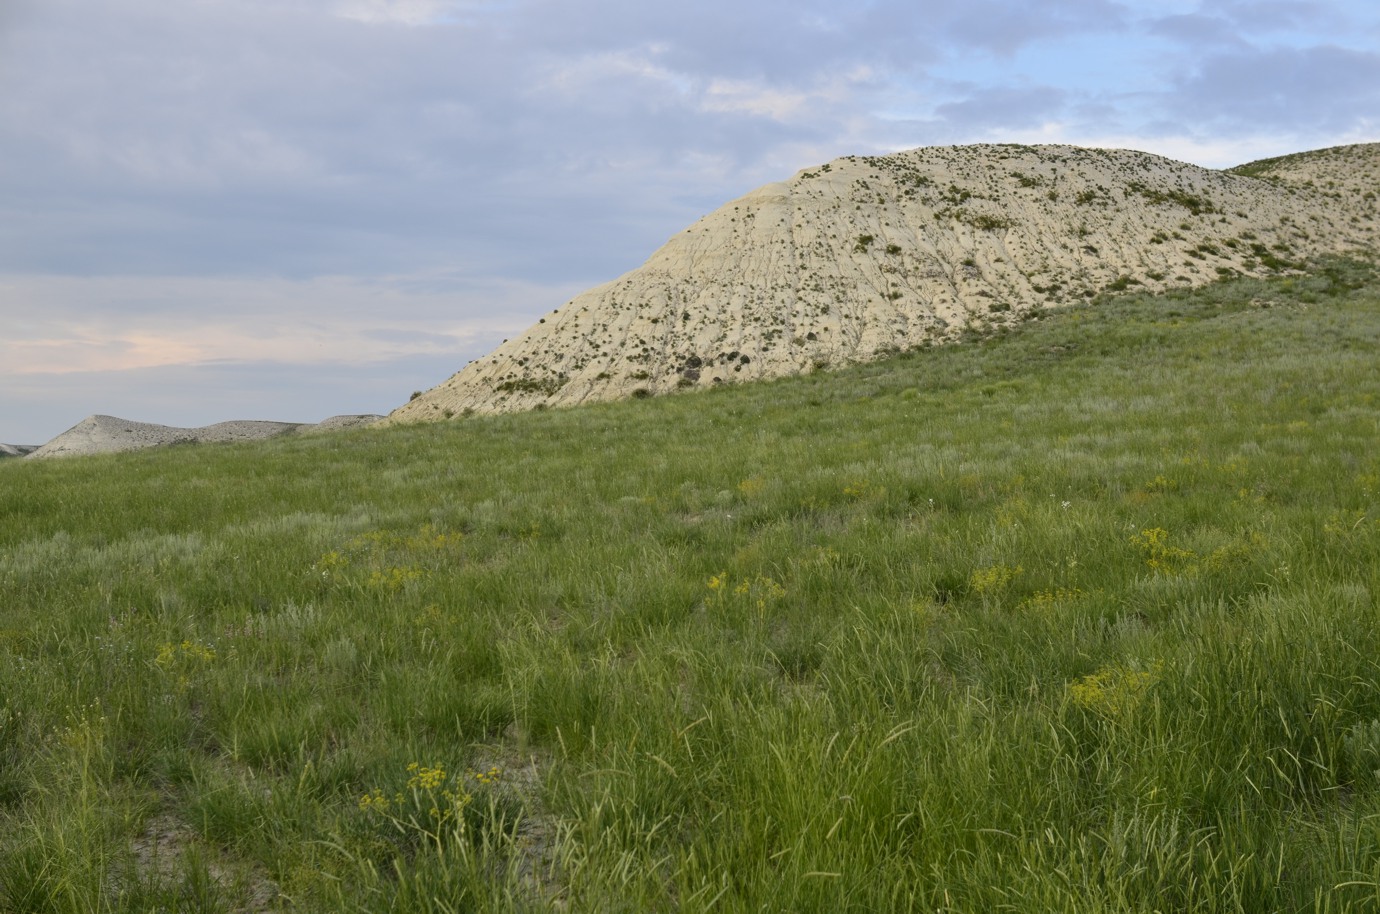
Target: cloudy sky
[(290, 209)]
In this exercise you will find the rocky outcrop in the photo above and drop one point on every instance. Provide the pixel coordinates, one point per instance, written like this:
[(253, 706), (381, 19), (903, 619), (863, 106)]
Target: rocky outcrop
[(871, 254), (16, 450), (108, 434)]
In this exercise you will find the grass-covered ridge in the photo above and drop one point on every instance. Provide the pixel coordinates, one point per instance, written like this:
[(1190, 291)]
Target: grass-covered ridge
[(1078, 618)]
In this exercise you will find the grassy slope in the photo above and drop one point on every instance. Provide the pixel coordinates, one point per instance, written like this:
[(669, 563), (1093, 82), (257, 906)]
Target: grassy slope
[(1080, 618)]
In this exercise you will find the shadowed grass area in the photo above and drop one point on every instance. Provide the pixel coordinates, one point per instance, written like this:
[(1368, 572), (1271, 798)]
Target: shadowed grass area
[(1080, 617)]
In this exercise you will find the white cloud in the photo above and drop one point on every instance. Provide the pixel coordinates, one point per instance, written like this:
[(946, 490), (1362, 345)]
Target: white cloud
[(758, 99), (574, 78)]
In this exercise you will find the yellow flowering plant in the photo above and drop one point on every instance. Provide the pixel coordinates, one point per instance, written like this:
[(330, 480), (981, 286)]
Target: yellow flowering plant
[(759, 590), (1115, 691), (432, 803)]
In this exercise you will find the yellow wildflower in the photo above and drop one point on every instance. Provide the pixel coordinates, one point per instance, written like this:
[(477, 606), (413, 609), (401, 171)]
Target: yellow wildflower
[(1114, 691), (426, 778)]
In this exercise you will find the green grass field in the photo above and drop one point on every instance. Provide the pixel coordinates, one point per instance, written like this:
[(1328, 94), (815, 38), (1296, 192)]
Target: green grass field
[(1078, 617)]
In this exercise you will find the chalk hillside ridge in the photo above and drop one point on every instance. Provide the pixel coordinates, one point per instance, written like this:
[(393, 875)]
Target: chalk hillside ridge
[(867, 255)]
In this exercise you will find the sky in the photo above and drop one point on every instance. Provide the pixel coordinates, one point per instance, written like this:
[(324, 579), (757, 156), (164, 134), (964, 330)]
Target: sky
[(293, 209)]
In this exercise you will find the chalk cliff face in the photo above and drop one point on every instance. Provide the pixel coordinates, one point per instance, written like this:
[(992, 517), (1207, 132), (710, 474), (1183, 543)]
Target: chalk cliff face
[(867, 255)]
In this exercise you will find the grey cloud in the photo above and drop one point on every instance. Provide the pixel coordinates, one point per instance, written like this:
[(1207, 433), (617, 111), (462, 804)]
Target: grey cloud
[(1319, 88), (1003, 27), (276, 137), (13, 13), (774, 39), (1012, 109), (1270, 15), (1236, 22), (783, 40), (304, 147), (1196, 29)]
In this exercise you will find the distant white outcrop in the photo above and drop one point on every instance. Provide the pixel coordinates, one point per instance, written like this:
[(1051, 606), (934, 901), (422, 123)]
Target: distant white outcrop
[(871, 254), (109, 434), (17, 450)]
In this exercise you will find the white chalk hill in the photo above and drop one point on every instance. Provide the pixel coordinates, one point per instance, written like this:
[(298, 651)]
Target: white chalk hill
[(869, 255), (111, 434)]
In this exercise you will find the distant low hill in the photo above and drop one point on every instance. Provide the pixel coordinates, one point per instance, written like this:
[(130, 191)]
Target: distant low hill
[(109, 434), (867, 255)]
